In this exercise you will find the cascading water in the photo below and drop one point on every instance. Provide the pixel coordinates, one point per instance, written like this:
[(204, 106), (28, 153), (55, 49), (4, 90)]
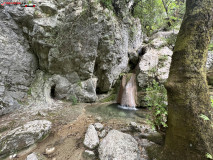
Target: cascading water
[(128, 92)]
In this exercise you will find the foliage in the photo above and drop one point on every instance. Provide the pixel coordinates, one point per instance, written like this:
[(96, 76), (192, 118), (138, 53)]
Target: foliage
[(74, 100), (157, 13), (204, 117), (209, 156), (107, 4), (156, 98), (171, 40)]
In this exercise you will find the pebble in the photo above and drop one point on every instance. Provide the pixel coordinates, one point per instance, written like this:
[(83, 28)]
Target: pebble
[(99, 126), (50, 150)]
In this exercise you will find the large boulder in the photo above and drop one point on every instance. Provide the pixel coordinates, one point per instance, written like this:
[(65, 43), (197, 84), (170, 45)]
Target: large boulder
[(23, 136), (155, 63), (118, 145)]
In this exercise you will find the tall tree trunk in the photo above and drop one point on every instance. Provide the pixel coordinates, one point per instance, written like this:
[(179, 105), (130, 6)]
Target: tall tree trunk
[(189, 136)]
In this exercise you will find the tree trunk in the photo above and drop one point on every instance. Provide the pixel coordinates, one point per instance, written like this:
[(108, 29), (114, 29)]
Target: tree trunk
[(189, 136)]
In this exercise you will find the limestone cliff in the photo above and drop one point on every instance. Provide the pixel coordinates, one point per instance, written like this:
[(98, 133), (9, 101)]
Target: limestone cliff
[(80, 46)]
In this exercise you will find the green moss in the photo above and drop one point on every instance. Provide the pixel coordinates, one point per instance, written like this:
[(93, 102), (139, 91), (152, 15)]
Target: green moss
[(110, 98)]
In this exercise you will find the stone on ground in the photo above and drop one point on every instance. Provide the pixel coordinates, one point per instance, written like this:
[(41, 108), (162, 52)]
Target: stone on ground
[(91, 138), (89, 154), (118, 145), (32, 156), (98, 126)]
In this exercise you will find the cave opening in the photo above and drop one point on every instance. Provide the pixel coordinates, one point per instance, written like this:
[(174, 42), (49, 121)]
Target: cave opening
[(52, 92)]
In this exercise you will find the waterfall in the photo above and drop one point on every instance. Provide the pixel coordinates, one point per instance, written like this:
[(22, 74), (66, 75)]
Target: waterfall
[(127, 95)]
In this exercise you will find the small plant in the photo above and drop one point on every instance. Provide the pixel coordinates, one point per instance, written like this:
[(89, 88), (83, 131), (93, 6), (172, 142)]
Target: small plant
[(156, 98), (153, 72), (163, 58), (79, 84), (209, 156), (171, 40), (204, 117), (211, 101), (74, 100)]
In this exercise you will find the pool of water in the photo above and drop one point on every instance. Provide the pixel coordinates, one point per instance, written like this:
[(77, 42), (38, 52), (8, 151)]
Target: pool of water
[(114, 111)]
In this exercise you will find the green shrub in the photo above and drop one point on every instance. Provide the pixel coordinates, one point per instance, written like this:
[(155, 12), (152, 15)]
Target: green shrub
[(156, 99)]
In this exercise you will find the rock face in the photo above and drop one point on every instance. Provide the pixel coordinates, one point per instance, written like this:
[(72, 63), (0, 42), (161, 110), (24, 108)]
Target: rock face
[(52, 37), (118, 145), (91, 140), (17, 64), (24, 136), (155, 63)]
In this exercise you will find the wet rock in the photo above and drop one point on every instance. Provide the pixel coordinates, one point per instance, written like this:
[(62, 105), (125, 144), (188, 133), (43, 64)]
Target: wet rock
[(90, 155), (98, 126), (24, 136), (118, 145), (32, 156), (91, 140)]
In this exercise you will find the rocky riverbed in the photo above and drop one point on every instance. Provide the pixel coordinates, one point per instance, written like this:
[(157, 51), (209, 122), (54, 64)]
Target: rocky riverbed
[(77, 132)]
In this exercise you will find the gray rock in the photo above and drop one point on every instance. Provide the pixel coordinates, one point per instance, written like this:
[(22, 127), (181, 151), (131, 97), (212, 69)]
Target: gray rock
[(102, 134), (98, 126), (24, 136), (32, 156), (118, 145), (60, 44), (155, 63), (17, 64), (134, 126), (91, 140), (89, 154), (147, 67), (209, 63), (84, 91)]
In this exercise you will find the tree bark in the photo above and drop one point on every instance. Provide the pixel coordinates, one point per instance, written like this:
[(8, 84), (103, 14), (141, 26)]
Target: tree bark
[(189, 136)]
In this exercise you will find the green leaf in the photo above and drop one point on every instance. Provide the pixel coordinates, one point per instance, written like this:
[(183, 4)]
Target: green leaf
[(204, 117), (209, 156)]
